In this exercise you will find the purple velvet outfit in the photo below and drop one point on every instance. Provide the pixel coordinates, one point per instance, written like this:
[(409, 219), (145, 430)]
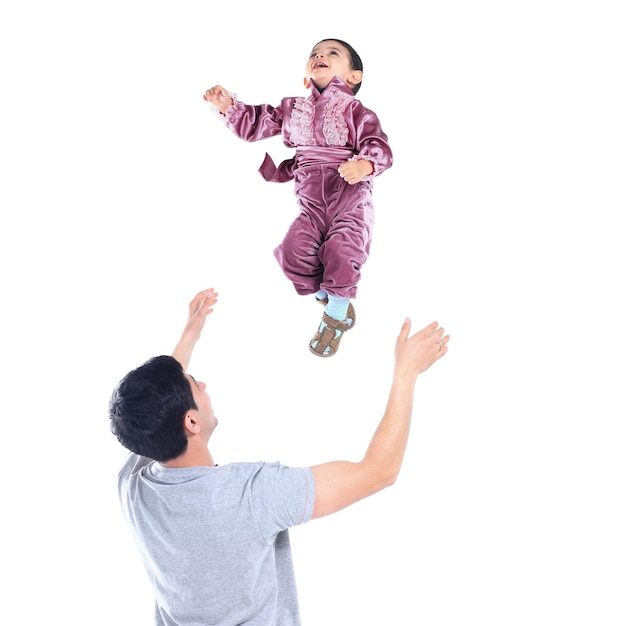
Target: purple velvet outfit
[(329, 241)]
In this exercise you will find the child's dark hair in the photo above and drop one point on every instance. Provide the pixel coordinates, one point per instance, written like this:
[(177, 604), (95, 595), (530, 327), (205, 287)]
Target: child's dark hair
[(357, 64)]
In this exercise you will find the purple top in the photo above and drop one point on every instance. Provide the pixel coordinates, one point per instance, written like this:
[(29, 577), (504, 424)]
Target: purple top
[(331, 125)]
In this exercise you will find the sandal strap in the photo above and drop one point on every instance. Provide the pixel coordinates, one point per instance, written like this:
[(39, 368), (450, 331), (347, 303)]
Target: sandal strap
[(324, 339), (336, 324)]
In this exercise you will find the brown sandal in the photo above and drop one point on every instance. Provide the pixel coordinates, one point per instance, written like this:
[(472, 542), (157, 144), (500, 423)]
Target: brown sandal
[(327, 338)]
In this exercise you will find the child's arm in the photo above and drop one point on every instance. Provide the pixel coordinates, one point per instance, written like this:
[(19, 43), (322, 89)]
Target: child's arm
[(373, 154), (248, 122), (219, 97)]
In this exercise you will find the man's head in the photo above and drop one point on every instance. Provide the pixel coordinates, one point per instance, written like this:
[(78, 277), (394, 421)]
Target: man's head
[(330, 58), (156, 407)]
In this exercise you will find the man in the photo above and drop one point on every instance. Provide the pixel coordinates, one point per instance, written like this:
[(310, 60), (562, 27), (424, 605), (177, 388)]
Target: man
[(214, 539)]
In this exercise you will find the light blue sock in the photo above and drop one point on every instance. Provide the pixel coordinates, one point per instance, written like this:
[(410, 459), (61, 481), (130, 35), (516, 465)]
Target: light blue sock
[(337, 307), (321, 294)]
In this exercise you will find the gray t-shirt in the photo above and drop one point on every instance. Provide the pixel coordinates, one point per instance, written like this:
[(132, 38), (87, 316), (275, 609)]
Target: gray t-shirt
[(214, 540)]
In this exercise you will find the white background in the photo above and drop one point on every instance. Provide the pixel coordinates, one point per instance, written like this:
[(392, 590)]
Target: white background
[(502, 218)]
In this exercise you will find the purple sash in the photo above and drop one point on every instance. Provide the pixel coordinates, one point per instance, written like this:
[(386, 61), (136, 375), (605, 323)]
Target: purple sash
[(305, 156)]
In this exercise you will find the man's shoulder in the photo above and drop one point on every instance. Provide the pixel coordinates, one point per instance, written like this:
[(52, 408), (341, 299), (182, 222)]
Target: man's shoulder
[(132, 464), (266, 471), (246, 468)]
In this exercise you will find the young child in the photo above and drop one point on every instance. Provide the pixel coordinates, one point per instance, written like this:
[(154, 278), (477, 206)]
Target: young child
[(340, 147)]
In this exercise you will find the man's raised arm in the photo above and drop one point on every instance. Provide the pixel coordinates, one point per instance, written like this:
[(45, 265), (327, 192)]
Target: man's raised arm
[(199, 308), (341, 483)]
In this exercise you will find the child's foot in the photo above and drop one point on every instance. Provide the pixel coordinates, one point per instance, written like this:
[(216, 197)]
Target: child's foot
[(326, 340)]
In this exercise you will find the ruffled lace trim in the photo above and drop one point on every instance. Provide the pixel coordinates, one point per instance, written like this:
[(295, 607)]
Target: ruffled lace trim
[(302, 133), (335, 128), (235, 106)]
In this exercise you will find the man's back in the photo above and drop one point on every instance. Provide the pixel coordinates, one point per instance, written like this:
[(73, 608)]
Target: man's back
[(214, 540)]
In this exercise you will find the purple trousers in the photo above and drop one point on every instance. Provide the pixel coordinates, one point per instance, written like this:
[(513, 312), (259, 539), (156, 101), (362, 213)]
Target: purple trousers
[(327, 244)]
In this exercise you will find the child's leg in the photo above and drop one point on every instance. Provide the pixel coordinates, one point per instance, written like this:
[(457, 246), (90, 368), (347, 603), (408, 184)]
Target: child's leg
[(346, 244), (298, 257), (343, 252)]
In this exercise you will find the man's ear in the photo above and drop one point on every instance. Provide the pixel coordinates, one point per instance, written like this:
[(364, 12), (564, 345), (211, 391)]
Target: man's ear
[(355, 77), (307, 83), (190, 422)]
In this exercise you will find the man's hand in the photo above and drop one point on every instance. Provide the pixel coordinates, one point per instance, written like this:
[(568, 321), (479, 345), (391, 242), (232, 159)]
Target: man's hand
[(199, 308), (416, 354), (354, 172), (219, 97)]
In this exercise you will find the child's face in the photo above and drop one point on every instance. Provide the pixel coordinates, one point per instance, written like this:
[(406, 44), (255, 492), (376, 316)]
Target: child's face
[(327, 60)]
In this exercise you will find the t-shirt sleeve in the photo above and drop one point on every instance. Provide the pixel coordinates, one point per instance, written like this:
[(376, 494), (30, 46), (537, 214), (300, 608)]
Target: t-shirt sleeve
[(282, 497)]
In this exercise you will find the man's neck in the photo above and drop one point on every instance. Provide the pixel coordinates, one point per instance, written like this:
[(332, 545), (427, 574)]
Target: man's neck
[(192, 458)]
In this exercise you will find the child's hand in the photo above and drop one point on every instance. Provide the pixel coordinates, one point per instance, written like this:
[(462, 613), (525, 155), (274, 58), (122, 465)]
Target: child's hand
[(219, 97), (354, 172)]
